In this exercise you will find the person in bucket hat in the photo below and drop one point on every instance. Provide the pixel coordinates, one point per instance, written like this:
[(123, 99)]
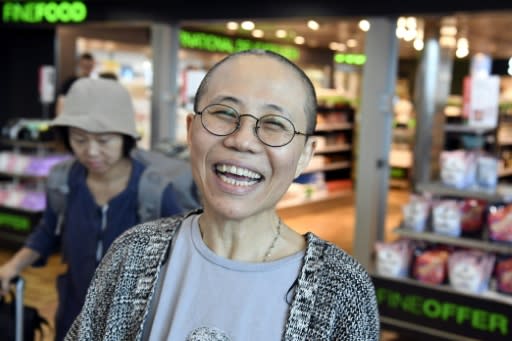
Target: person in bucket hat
[(97, 125)]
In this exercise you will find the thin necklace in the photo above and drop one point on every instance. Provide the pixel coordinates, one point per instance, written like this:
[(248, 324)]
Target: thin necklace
[(274, 241)]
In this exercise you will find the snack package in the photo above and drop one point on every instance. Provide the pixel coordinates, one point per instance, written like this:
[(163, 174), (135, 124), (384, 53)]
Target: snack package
[(446, 218), (394, 259), (500, 223), (504, 275), (487, 171), (431, 266), (472, 216), (470, 270), (416, 212), (458, 168)]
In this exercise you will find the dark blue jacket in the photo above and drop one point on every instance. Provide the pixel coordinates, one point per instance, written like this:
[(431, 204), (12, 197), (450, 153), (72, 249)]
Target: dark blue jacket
[(82, 233)]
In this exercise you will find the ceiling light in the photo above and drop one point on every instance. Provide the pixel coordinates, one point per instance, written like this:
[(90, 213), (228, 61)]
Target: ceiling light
[(248, 25), (461, 52), (313, 25), (448, 31), (462, 43), (447, 41), (410, 35), (351, 43), (418, 44), (281, 33), (334, 45), (258, 33), (364, 25), (400, 32), (232, 25), (299, 40)]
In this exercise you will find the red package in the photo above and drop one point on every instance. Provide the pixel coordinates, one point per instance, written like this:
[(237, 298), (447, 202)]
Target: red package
[(472, 215), (431, 266), (504, 275)]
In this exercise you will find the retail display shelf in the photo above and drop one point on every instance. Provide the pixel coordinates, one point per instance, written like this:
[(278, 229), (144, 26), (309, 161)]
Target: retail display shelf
[(441, 312), (487, 294), (480, 244), (334, 126), (333, 149), (316, 198), (328, 167), (28, 144), (502, 193), (22, 175), (461, 128)]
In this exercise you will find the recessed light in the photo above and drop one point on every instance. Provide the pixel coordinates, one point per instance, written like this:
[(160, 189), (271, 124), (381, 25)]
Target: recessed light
[(281, 34), (258, 33), (247, 25), (232, 25), (299, 40), (364, 25), (313, 25)]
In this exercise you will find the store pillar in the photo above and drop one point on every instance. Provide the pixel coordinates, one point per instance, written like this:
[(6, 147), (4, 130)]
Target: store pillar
[(432, 89), (374, 135), (165, 46)]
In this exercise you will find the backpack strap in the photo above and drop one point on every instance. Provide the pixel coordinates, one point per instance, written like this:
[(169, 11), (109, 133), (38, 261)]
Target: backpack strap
[(153, 183), (58, 189)]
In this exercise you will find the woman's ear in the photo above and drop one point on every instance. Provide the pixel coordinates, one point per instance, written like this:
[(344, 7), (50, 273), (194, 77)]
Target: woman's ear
[(305, 156), (190, 120)]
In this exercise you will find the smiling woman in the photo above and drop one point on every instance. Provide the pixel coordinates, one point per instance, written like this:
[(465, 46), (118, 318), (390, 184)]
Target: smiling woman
[(233, 270)]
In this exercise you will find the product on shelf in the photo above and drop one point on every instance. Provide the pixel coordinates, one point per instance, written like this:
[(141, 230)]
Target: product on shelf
[(446, 218), (394, 258), (29, 165), (431, 266), (416, 212), (458, 168), (500, 223), (472, 216), (470, 270), (504, 275)]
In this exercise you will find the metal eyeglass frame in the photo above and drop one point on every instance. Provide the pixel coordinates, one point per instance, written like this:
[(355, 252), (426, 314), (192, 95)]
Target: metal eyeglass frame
[(256, 127)]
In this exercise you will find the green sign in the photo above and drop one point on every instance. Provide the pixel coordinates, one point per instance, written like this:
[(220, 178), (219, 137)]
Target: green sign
[(350, 58), (14, 222), (39, 12), (217, 43)]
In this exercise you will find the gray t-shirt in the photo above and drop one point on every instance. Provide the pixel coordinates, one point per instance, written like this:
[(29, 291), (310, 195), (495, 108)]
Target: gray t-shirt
[(208, 297)]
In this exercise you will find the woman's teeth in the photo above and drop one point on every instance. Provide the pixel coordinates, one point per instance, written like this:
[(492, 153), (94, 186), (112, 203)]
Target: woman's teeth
[(242, 176)]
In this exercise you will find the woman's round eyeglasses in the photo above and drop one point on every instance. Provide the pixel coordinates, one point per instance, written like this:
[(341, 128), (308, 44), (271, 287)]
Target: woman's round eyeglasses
[(271, 129)]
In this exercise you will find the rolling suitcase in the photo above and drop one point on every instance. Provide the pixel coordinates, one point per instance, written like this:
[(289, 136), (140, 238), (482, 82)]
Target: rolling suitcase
[(18, 321)]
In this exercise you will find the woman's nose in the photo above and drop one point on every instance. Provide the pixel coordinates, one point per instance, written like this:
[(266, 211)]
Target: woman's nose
[(244, 138), (93, 147)]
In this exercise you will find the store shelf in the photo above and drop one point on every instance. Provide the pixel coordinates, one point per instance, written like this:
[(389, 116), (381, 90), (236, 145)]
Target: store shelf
[(29, 144), (333, 149), (502, 193), (456, 241), (334, 126), (329, 167), (460, 128), (24, 176), (441, 312)]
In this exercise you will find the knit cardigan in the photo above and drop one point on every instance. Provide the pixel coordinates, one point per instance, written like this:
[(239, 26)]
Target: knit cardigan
[(334, 296)]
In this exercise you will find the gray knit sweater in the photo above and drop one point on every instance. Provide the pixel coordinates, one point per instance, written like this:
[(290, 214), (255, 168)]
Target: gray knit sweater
[(334, 297)]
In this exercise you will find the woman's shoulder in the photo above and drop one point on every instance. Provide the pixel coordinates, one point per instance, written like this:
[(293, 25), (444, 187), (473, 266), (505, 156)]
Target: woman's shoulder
[(335, 262), (152, 233)]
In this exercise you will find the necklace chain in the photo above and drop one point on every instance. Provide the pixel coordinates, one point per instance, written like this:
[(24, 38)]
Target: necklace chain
[(274, 241)]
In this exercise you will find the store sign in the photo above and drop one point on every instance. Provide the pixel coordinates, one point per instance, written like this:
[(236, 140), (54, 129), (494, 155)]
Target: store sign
[(14, 222), (350, 58), (39, 12), (450, 312), (217, 43)]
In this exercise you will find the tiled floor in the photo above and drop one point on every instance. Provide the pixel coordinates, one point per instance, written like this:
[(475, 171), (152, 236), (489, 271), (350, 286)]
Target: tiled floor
[(332, 220)]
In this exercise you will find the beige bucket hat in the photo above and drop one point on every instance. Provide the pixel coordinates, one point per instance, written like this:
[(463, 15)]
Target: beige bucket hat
[(98, 106)]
